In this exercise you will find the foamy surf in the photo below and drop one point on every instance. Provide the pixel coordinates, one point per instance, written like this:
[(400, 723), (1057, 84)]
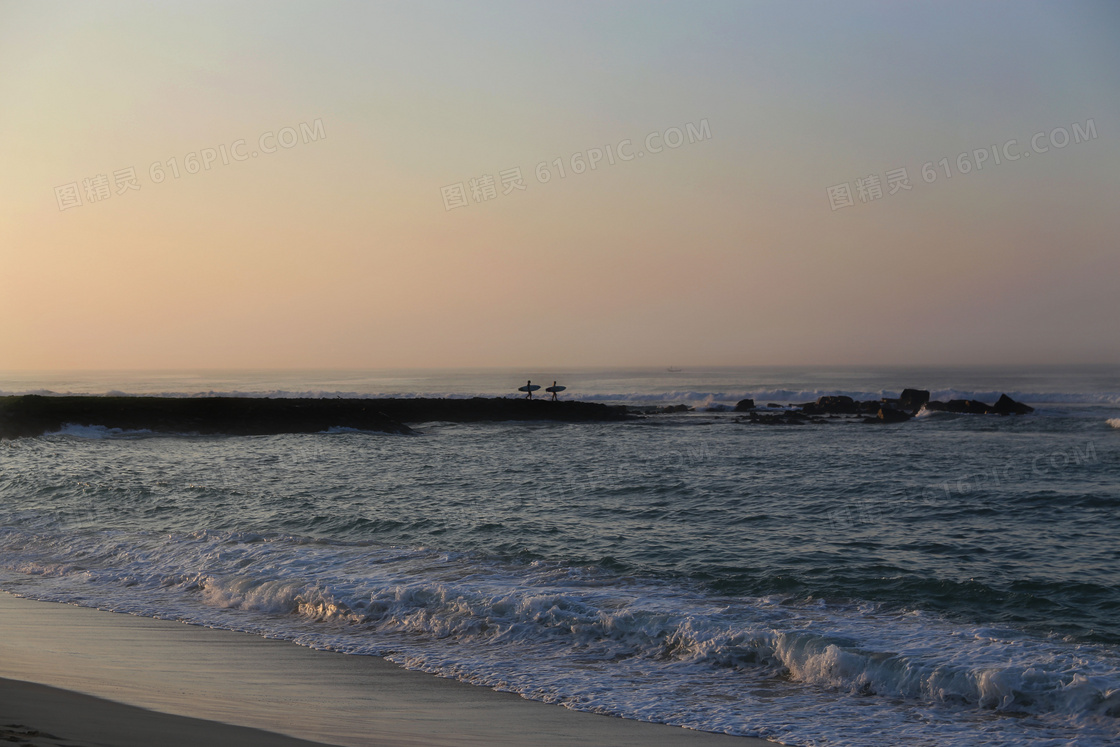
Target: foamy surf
[(97, 432), (669, 649)]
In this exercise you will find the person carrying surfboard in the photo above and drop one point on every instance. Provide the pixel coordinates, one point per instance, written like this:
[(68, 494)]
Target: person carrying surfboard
[(529, 387), (554, 390)]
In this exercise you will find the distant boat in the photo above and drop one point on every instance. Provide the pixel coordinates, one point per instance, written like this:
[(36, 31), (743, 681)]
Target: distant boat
[(670, 369)]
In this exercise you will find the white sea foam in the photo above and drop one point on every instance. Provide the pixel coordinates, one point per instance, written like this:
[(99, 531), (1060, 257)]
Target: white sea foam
[(631, 647), (96, 431), (341, 430), (1114, 422)]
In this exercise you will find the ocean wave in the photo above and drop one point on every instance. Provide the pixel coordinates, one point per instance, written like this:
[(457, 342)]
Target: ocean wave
[(647, 628), (596, 641), (1114, 422)]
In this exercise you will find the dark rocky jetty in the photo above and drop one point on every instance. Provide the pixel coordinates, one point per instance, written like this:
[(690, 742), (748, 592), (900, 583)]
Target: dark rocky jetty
[(34, 415), (840, 408), (1003, 406)]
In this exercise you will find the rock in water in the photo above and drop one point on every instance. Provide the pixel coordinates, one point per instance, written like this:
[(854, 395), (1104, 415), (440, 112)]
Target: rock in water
[(744, 405), (970, 406), (891, 415), (837, 405), (913, 399), (1007, 406), (870, 407)]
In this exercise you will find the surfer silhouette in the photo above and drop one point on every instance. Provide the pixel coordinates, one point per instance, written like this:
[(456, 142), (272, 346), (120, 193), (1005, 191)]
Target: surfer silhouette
[(529, 387), (554, 390)]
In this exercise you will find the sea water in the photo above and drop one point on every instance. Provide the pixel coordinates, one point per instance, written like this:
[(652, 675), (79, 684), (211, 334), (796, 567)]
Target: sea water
[(952, 580)]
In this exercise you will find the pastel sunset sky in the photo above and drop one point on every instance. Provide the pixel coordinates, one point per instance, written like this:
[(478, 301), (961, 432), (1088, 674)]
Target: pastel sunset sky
[(363, 184)]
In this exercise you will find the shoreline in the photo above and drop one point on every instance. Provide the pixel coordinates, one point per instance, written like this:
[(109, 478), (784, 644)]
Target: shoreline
[(170, 673)]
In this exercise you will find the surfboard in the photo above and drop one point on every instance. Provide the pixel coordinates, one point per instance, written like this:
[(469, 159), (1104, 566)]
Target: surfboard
[(528, 388), (555, 389)]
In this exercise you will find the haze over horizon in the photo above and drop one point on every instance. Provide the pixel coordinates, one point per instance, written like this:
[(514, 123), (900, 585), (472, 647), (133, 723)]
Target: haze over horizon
[(285, 185)]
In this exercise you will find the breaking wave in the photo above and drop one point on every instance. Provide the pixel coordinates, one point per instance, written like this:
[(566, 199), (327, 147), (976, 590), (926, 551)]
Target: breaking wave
[(597, 641)]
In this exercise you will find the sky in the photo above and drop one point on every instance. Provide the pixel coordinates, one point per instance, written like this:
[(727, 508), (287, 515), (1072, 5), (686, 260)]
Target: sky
[(384, 185)]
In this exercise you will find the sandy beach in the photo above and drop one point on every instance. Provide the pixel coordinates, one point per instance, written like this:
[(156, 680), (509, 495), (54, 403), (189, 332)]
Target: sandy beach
[(79, 676), (41, 716)]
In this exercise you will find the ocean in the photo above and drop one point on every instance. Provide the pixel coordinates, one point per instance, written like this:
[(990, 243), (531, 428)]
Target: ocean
[(952, 580)]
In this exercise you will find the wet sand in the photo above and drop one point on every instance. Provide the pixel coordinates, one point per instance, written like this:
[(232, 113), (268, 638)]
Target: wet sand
[(40, 716)]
